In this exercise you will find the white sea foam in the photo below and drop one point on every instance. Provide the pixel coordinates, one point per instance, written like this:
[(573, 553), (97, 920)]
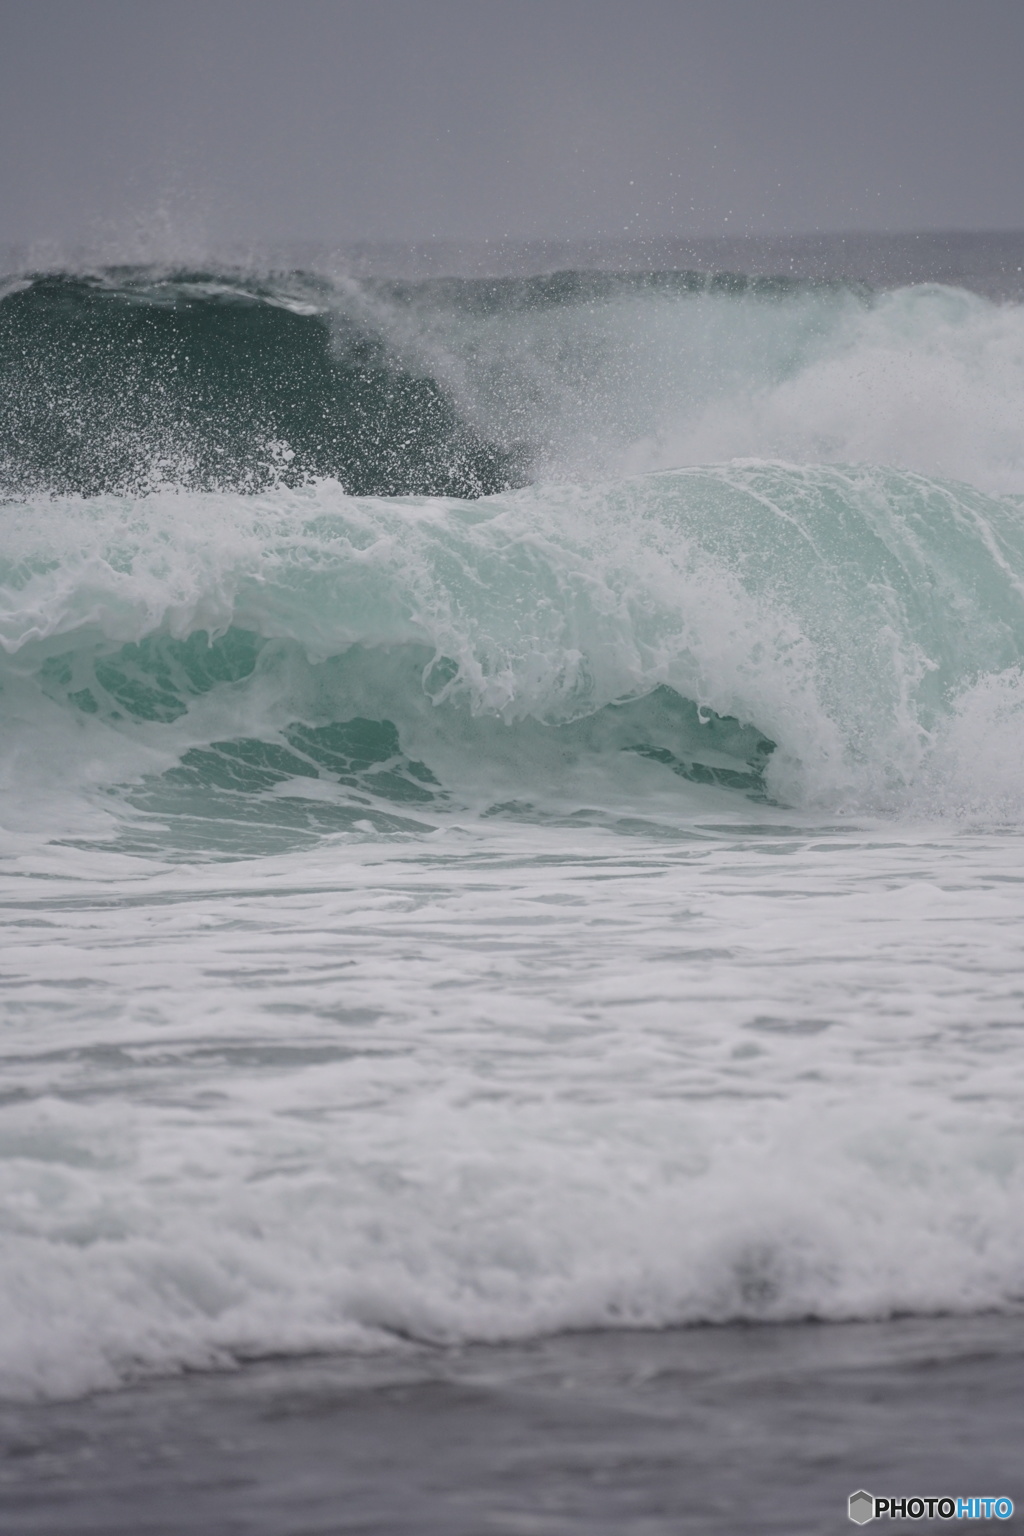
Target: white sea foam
[(927, 378), (512, 1083)]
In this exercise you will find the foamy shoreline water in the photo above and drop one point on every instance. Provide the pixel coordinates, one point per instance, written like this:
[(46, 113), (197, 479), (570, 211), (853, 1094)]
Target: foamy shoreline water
[(497, 1085)]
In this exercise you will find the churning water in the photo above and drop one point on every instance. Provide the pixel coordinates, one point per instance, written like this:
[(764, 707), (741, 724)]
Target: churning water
[(512, 810)]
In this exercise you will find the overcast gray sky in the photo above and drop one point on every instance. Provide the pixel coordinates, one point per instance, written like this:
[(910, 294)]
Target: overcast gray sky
[(339, 120)]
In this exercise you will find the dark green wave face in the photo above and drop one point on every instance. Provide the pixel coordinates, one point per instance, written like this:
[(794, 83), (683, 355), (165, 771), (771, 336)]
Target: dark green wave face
[(132, 379), (119, 383)]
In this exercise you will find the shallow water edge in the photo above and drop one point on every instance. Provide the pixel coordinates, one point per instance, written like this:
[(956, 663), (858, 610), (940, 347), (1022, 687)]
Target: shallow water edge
[(722, 1430)]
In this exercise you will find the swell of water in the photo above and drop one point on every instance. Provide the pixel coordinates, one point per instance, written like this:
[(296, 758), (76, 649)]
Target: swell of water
[(121, 383)]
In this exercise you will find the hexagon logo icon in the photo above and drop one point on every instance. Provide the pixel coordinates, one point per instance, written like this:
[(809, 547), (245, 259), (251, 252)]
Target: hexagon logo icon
[(862, 1507)]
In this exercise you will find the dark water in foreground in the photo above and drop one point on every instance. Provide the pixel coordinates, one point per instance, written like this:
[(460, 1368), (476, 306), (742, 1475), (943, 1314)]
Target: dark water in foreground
[(725, 1431)]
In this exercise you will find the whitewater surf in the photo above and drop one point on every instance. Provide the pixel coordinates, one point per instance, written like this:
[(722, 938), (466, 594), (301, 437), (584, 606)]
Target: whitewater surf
[(511, 811)]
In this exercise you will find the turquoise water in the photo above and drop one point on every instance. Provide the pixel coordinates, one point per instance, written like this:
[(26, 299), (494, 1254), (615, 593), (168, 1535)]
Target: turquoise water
[(511, 810)]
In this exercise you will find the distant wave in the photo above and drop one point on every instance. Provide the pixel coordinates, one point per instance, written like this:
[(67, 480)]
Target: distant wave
[(127, 380)]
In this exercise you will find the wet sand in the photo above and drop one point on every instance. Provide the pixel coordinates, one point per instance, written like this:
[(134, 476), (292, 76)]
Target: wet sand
[(727, 1431)]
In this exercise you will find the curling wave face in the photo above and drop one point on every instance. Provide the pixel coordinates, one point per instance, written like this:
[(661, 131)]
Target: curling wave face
[(810, 636)]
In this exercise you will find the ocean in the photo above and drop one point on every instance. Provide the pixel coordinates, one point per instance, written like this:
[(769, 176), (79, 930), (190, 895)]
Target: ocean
[(512, 844)]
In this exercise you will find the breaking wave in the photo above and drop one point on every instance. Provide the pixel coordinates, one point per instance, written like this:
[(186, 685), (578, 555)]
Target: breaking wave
[(309, 662)]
